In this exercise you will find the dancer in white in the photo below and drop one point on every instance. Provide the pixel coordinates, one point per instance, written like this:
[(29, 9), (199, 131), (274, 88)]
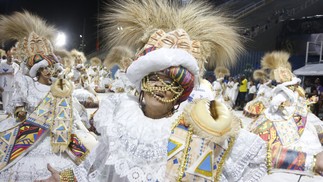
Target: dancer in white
[(8, 70), (147, 140), (52, 130)]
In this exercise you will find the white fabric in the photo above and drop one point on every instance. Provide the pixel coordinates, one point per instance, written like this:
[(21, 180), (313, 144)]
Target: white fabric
[(133, 143), (28, 93), (294, 81), (134, 148), (33, 165), (121, 81), (83, 95), (158, 60), (234, 93), (282, 94), (7, 81), (246, 161), (6, 98), (252, 89), (33, 70), (23, 68)]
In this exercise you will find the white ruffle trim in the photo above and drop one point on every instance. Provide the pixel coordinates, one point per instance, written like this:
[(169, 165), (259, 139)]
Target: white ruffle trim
[(137, 144)]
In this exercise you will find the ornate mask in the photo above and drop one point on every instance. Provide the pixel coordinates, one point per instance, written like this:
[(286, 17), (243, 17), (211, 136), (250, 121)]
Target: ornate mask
[(38, 45), (174, 39)]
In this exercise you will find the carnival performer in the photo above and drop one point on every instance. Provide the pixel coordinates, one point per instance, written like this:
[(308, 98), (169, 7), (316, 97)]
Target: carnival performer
[(65, 59), (106, 79), (293, 142), (220, 87), (255, 107), (52, 131), (94, 71), (8, 70), (83, 91), (121, 56), (147, 140)]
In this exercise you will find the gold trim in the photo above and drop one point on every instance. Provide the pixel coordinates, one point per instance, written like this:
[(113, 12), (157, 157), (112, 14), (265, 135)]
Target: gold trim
[(223, 159), (269, 158)]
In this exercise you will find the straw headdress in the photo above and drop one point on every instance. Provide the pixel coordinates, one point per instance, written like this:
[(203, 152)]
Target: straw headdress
[(117, 56), (95, 61), (221, 71), (260, 75), (66, 58), (277, 63), (26, 27), (78, 56), (133, 22)]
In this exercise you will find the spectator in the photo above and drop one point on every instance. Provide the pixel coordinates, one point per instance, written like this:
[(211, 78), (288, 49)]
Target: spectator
[(243, 88), (252, 91)]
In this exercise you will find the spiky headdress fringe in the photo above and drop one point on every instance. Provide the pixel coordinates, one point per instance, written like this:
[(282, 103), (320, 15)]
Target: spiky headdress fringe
[(75, 53), (95, 61), (221, 72), (275, 59), (20, 24), (116, 56), (131, 22), (66, 58), (259, 74)]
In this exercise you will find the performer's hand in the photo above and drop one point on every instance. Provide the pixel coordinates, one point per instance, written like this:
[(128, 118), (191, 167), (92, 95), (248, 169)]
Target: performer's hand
[(319, 163), (53, 178)]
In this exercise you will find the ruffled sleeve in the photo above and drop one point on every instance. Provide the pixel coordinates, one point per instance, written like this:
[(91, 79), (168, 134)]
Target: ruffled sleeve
[(104, 115), (20, 93), (94, 165), (247, 161)]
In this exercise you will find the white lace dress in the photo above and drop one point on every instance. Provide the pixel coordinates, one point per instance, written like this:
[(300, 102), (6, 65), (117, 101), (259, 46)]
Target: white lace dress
[(134, 148), (33, 165)]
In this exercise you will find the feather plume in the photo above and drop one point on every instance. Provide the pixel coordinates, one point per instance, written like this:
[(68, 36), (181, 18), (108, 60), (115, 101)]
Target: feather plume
[(131, 22), (66, 58), (259, 74), (78, 55), (62, 53), (20, 24), (221, 72), (275, 60), (117, 55), (95, 61)]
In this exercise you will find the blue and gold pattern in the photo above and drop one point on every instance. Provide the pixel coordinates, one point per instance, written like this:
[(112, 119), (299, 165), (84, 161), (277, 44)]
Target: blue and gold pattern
[(203, 161), (52, 113)]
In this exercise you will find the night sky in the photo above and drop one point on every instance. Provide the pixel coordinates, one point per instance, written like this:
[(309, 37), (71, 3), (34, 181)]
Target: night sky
[(68, 16)]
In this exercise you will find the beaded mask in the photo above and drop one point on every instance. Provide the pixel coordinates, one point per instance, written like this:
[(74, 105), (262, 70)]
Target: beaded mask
[(148, 85)]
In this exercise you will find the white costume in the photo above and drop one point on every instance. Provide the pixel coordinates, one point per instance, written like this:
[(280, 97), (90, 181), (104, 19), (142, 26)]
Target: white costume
[(121, 82), (7, 81), (133, 147), (52, 131)]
